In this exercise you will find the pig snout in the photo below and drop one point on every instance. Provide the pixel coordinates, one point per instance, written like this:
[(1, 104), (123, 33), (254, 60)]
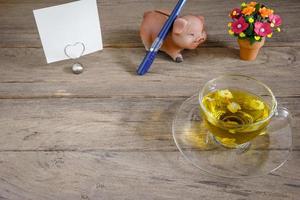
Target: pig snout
[(199, 39)]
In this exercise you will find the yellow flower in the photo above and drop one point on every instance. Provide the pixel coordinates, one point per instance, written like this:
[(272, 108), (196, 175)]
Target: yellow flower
[(257, 105), (251, 20), (265, 12), (278, 29), (243, 4), (230, 32), (242, 34), (272, 24), (257, 37), (229, 24), (252, 3), (248, 10), (226, 94), (234, 107), (270, 35)]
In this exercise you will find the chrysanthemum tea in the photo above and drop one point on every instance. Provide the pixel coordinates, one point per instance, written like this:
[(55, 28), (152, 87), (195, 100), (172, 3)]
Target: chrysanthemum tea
[(232, 115)]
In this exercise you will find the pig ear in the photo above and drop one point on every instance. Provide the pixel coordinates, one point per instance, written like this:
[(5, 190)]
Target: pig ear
[(179, 25), (201, 18)]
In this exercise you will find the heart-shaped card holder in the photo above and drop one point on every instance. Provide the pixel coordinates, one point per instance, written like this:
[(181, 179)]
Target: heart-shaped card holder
[(75, 51)]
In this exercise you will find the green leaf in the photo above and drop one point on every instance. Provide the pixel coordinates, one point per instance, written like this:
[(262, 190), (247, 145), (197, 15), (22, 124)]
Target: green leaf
[(257, 7), (258, 17), (249, 31), (252, 40)]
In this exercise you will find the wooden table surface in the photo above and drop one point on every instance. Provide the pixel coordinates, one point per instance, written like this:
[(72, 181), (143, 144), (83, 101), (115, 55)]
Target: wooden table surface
[(106, 134)]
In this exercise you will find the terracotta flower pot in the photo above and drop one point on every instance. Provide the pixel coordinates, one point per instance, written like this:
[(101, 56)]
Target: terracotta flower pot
[(248, 51)]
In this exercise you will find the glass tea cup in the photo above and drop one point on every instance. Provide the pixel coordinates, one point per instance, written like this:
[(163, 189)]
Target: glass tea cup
[(236, 128), (244, 140)]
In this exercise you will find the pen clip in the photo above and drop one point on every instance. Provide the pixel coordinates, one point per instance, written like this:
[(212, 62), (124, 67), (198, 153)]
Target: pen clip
[(156, 44)]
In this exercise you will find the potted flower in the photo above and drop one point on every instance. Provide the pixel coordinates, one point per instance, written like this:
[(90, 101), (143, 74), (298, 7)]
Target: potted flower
[(251, 24)]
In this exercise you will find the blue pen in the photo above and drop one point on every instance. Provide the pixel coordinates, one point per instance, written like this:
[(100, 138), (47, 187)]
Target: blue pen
[(151, 54)]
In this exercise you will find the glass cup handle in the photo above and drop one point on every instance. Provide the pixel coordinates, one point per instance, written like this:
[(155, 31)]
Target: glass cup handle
[(281, 119)]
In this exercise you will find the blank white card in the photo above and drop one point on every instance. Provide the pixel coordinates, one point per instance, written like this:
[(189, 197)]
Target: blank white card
[(68, 24)]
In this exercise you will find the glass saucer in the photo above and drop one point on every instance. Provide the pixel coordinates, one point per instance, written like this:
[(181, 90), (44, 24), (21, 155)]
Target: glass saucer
[(267, 152)]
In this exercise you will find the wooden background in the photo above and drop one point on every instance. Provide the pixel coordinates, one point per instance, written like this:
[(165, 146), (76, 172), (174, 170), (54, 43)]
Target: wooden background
[(106, 134)]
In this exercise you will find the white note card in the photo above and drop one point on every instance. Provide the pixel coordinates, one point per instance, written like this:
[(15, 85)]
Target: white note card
[(68, 24)]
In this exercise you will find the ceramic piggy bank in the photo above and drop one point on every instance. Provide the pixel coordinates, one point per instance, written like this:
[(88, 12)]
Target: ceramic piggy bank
[(187, 33)]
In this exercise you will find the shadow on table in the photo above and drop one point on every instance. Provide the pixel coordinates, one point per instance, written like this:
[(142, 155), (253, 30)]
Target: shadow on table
[(156, 135), (131, 56)]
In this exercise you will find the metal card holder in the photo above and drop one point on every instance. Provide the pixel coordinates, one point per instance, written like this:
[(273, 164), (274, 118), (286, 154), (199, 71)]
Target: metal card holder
[(77, 68)]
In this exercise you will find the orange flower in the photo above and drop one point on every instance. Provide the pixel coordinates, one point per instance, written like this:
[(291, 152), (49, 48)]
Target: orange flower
[(265, 12), (252, 3), (248, 10)]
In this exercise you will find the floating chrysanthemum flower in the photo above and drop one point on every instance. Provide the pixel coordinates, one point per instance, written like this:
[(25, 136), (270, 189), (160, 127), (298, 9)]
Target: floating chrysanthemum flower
[(257, 105), (239, 26), (235, 13), (275, 19), (278, 29), (262, 29), (234, 107), (265, 12), (226, 94), (248, 10), (270, 35)]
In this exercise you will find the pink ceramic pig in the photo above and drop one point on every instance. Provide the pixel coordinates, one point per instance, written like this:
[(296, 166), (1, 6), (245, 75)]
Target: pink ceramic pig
[(187, 33)]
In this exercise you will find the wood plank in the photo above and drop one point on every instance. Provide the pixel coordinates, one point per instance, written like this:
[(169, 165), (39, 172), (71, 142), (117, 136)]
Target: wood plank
[(116, 124), (105, 134), (130, 175), (120, 29), (24, 73)]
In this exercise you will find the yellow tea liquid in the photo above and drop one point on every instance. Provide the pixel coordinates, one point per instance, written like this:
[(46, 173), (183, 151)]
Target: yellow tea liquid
[(231, 114)]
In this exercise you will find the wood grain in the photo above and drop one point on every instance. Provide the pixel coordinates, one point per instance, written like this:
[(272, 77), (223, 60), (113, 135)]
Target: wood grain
[(120, 29), (128, 124), (112, 73), (129, 175), (106, 134)]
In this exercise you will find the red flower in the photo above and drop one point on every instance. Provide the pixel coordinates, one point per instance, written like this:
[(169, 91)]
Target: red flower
[(262, 29), (235, 13), (275, 19), (239, 25)]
